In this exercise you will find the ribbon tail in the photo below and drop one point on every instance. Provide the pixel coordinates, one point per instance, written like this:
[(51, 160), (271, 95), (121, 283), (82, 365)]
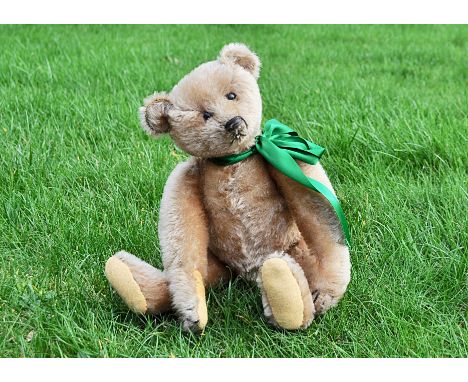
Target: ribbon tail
[(335, 203), (284, 163)]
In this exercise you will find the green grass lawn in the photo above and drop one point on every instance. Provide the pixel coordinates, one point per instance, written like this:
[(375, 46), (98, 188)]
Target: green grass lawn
[(79, 180)]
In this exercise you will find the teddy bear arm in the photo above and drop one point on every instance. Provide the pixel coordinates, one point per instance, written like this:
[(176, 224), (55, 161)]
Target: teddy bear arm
[(327, 265), (183, 235)]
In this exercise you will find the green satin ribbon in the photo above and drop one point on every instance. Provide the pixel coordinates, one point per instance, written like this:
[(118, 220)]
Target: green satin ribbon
[(280, 146)]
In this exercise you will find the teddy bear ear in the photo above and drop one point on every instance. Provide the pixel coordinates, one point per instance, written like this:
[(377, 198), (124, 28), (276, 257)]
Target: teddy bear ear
[(154, 115), (240, 54)]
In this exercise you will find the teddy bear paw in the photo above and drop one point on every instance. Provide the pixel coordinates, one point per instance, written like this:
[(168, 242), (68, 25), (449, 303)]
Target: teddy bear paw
[(195, 317), (323, 301), (191, 321)]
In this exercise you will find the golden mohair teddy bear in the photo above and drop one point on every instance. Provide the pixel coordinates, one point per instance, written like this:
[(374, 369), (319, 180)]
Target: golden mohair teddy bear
[(245, 218)]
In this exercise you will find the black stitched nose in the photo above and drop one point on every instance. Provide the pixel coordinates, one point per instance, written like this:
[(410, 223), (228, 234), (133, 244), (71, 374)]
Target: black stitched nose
[(234, 123)]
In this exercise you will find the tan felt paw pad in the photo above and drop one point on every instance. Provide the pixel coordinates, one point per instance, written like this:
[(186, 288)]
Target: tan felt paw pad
[(201, 310), (283, 293), (120, 277)]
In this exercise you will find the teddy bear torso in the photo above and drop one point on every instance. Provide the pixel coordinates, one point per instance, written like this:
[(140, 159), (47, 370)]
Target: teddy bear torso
[(248, 218)]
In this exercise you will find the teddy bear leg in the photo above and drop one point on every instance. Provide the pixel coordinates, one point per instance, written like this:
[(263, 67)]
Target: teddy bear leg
[(142, 287), (287, 301)]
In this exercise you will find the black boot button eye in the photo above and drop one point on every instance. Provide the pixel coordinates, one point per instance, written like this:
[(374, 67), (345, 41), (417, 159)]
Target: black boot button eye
[(207, 115), (231, 96)]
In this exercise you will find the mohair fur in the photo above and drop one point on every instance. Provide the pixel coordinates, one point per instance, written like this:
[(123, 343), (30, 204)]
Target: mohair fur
[(239, 216)]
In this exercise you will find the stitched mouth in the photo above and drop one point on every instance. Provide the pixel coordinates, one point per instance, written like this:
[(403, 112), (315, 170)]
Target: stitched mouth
[(237, 135)]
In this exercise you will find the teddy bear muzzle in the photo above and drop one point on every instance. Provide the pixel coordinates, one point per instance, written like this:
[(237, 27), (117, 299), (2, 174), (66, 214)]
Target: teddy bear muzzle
[(236, 127), (235, 123)]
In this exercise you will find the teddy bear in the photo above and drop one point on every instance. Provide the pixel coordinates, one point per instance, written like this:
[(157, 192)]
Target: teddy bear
[(246, 219)]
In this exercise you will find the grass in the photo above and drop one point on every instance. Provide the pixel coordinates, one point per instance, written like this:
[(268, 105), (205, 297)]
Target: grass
[(79, 180)]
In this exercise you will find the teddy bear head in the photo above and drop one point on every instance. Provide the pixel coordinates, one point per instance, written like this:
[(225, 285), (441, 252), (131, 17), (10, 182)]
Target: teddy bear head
[(213, 111)]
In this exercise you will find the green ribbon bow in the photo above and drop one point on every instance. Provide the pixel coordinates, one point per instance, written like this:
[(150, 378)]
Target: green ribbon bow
[(280, 146)]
